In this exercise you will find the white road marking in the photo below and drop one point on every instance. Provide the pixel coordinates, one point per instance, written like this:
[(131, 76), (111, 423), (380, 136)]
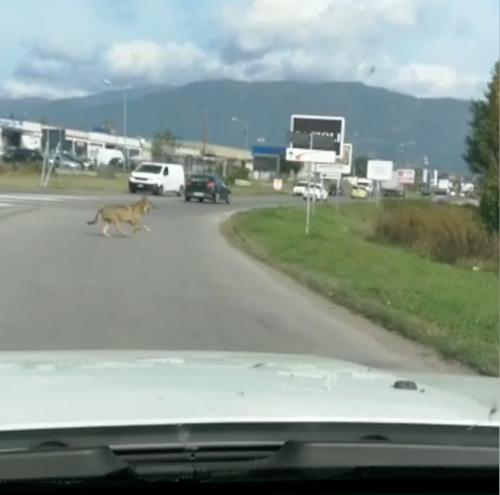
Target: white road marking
[(9, 201), (29, 197)]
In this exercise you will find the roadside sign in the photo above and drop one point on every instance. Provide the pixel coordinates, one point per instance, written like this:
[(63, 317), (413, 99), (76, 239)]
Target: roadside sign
[(329, 169), (277, 184), (315, 138), (314, 156), (331, 175), (342, 165), (346, 159), (379, 170), (405, 176)]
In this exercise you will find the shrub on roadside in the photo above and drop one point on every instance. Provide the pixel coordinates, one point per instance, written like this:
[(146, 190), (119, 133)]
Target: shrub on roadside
[(106, 172), (20, 168), (237, 173), (443, 232)]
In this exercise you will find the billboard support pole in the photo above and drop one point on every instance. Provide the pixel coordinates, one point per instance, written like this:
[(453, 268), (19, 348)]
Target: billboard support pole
[(51, 168), (60, 155), (337, 194), (314, 189), (44, 165), (308, 207)]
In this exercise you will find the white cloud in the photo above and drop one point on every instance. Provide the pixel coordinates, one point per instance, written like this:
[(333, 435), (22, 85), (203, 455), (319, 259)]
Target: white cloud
[(20, 89), (424, 47), (434, 80), (274, 23), (156, 62)]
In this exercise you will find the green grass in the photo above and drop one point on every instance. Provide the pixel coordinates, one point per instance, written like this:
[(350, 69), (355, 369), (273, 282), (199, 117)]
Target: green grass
[(63, 182), (450, 308), (259, 189), (31, 181)]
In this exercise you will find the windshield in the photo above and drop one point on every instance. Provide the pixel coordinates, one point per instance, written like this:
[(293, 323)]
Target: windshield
[(175, 267), (149, 169)]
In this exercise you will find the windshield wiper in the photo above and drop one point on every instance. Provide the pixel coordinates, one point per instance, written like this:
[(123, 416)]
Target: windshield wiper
[(209, 462), (58, 463)]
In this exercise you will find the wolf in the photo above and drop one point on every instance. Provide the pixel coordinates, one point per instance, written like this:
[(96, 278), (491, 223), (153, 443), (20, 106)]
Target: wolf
[(116, 214)]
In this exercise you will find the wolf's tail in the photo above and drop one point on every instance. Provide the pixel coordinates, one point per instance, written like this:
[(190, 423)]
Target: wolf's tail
[(97, 215)]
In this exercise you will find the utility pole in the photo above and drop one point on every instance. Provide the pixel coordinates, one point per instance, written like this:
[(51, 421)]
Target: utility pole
[(205, 130)]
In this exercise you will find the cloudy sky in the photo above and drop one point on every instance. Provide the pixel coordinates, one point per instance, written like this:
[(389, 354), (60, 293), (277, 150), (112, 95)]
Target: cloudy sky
[(57, 48)]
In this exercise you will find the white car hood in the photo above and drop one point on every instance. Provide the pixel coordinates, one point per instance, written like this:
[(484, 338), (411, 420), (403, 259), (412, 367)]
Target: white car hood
[(44, 390), (144, 175)]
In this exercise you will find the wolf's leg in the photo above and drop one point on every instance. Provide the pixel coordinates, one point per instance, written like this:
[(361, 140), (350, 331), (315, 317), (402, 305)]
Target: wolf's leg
[(105, 229), (117, 226)]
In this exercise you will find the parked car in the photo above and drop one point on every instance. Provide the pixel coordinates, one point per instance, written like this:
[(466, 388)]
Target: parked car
[(209, 187), (22, 155), (334, 191), (359, 193), (315, 191), (298, 189)]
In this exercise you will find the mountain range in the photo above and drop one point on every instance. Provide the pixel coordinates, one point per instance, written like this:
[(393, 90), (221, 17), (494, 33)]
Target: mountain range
[(379, 122)]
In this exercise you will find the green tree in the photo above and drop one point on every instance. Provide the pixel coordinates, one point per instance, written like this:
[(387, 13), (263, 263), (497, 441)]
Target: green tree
[(164, 144), (287, 167), (360, 166), (481, 153), (109, 127)]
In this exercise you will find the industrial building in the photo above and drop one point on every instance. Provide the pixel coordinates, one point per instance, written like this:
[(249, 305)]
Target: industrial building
[(36, 136)]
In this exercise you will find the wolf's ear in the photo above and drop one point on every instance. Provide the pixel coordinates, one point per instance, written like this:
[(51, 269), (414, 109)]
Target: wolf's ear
[(144, 198)]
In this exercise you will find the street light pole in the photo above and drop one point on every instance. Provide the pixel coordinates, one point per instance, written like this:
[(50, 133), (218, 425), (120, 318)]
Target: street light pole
[(125, 149), (107, 82), (246, 135), (246, 129)]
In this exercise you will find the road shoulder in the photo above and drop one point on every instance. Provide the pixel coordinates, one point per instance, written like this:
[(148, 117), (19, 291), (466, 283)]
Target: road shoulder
[(395, 343)]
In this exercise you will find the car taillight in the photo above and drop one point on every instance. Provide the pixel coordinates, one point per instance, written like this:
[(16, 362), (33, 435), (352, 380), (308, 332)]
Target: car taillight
[(210, 184)]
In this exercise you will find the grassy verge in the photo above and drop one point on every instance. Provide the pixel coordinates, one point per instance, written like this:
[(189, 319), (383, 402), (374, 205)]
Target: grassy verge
[(440, 231), (31, 181), (259, 189), (64, 182), (450, 308)]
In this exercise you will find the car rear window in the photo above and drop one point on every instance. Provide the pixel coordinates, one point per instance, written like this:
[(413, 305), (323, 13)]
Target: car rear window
[(201, 178)]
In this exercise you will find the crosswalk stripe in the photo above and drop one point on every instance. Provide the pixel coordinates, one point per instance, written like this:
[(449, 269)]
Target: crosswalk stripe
[(29, 197)]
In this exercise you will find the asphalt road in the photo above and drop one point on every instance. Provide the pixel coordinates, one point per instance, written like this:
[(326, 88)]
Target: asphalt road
[(179, 287)]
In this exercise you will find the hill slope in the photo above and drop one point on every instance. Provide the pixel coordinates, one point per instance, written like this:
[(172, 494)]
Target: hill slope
[(379, 122)]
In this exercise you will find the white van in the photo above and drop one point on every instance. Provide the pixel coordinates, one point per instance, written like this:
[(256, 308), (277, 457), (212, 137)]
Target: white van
[(158, 178), (103, 156)]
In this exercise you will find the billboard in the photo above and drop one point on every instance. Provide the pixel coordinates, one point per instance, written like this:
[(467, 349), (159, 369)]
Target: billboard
[(342, 165), (405, 176), (268, 150), (379, 170), (315, 138)]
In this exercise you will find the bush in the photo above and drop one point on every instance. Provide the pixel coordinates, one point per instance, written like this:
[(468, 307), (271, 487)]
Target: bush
[(443, 232), (21, 168), (106, 172), (238, 173)]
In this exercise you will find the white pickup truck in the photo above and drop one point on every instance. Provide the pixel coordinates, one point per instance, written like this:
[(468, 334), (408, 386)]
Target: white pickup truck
[(300, 188)]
